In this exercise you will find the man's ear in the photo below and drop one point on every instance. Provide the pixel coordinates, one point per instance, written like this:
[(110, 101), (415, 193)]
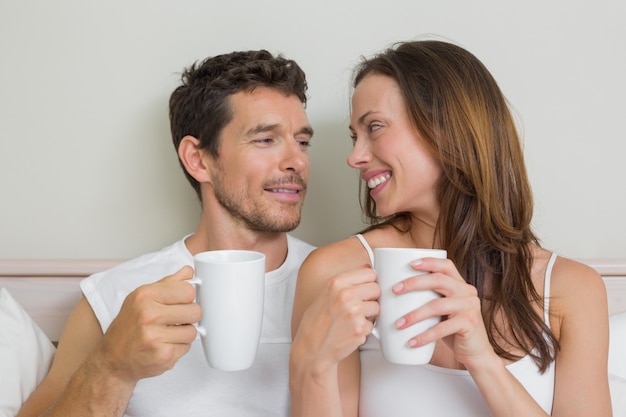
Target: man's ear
[(194, 159)]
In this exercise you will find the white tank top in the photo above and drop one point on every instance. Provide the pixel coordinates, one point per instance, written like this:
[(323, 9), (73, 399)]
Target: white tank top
[(408, 390)]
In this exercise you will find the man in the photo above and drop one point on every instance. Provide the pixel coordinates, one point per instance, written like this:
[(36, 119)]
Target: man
[(129, 348)]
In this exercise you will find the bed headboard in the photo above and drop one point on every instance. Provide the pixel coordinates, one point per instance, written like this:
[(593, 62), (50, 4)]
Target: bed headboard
[(613, 272), (48, 289)]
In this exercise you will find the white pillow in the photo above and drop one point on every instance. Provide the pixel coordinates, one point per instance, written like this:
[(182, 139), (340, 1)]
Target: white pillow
[(25, 355), (617, 345)]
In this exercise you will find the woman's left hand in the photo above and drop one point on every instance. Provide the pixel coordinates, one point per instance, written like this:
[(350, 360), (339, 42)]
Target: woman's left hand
[(462, 327)]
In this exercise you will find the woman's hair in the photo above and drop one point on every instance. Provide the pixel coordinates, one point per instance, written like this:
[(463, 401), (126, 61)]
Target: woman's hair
[(484, 193), (200, 106)]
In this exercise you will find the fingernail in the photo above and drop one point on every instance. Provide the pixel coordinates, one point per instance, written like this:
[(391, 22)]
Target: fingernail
[(416, 262), (400, 322), (411, 343), (398, 287)]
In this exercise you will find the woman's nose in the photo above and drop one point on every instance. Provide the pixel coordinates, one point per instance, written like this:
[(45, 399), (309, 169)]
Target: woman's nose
[(360, 154)]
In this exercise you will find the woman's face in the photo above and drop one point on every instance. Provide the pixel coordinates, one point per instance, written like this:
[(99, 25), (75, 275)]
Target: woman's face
[(399, 171)]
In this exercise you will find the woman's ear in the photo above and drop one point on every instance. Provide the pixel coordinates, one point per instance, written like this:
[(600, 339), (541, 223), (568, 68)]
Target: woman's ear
[(194, 159)]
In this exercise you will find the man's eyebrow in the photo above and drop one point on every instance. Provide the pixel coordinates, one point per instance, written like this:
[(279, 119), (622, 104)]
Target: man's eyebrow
[(263, 128), (307, 130)]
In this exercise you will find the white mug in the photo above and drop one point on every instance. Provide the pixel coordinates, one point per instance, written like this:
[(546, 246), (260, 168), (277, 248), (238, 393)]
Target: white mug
[(392, 265), (230, 288)]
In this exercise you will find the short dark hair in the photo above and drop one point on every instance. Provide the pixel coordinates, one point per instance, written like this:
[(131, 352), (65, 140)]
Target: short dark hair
[(200, 106)]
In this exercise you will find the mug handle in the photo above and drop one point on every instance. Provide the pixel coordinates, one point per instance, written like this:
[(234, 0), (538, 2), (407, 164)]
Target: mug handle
[(375, 331), (196, 281)]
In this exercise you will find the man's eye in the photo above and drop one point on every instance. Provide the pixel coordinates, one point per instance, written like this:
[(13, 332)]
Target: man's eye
[(305, 143), (264, 140), (374, 127)]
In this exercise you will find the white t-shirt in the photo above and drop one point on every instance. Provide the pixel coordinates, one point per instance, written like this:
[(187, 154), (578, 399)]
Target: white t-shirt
[(192, 388)]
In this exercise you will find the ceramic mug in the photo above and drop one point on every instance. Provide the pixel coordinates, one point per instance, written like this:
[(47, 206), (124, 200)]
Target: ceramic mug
[(392, 265), (230, 288)]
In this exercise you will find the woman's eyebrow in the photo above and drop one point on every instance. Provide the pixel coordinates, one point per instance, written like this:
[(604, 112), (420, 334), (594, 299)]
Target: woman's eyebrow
[(361, 120)]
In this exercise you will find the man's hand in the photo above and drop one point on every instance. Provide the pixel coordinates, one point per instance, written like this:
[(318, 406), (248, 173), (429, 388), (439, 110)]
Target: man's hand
[(153, 328)]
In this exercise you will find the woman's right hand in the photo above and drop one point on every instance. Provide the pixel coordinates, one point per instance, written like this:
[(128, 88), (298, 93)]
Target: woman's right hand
[(339, 318)]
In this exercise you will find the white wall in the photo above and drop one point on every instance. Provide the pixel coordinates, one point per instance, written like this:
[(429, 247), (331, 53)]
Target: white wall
[(86, 165)]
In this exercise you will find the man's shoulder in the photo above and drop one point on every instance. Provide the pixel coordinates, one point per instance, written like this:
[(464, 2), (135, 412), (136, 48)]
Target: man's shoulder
[(146, 268)]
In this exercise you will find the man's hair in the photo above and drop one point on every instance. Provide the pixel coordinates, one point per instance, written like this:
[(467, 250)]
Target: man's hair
[(200, 106)]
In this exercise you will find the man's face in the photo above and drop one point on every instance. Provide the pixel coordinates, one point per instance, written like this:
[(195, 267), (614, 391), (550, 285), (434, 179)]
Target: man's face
[(263, 165)]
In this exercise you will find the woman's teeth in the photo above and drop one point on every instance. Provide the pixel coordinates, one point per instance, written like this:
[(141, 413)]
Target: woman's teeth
[(376, 181)]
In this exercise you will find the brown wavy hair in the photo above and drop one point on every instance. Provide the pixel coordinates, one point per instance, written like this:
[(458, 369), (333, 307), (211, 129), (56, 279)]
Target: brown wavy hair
[(486, 201)]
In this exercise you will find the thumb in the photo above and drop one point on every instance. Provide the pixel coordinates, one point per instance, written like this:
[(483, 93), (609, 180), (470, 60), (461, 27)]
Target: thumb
[(171, 289), (184, 273)]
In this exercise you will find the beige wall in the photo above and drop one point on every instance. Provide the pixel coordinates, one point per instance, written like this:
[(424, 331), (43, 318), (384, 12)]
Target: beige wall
[(87, 170)]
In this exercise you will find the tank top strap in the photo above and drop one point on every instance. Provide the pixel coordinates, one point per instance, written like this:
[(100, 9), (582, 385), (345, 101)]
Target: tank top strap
[(367, 247), (546, 289)]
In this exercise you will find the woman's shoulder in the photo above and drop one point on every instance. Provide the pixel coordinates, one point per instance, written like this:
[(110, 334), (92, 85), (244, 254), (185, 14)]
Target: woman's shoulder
[(575, 285), (565, 271), (570, 273), (337, 256), (347, 254)]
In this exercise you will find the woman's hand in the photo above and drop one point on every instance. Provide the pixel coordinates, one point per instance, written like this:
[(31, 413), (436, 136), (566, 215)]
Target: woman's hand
[(462, 327), (332, 318), (340, 318)]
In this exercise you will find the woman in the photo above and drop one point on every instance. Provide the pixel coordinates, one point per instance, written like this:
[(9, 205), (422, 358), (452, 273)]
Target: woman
[(525, 332)]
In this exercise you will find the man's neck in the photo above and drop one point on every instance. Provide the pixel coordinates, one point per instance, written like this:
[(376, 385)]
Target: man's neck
[(215, 237)]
